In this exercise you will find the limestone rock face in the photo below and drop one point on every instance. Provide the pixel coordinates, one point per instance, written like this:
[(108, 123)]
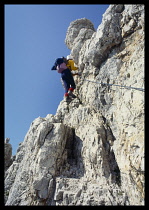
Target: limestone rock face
[(37, 162), (76, 29), (78, 32), (8, 158), (8, 154), (91, 152)]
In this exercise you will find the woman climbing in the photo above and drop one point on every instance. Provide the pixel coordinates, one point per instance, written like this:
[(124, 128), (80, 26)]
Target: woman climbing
[(66, 76)]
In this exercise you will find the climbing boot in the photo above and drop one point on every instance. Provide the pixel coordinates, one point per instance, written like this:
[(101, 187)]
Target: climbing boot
[(66, 97), (70, 92)]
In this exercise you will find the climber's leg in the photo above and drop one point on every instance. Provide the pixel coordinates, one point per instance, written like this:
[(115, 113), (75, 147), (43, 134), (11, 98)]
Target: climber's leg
[(72, 84), (65, 79), (70, 92), (68, 83)]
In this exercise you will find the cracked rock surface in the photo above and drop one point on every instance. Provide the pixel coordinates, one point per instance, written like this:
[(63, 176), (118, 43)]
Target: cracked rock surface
[(91, 152)]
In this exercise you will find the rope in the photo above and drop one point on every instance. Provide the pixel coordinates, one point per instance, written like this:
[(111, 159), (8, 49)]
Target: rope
[(127, 87)]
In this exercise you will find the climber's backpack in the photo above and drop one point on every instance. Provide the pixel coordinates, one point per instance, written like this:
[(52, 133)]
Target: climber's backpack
[(60, 65)]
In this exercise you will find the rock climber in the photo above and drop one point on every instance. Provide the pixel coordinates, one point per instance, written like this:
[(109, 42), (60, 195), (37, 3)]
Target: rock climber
[(66, 76)]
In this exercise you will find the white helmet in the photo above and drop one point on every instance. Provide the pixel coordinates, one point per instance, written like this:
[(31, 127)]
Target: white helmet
[(69, 57)]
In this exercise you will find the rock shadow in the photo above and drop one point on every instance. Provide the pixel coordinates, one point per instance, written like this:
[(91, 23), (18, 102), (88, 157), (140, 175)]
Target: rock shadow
[(110, 166), (73, 166)]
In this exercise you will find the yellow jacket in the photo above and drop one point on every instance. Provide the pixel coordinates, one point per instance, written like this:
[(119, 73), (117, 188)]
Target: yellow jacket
[(70, 65)]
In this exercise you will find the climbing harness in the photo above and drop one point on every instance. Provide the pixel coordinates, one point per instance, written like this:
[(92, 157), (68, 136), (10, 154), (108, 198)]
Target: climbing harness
[(127, 87)]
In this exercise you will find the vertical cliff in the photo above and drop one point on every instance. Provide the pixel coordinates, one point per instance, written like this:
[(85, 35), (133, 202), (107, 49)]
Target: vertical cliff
[(91, 152)]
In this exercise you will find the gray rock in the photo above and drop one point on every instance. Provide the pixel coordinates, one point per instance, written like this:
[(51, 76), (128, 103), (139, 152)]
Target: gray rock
[(8, 154), (91, 152)]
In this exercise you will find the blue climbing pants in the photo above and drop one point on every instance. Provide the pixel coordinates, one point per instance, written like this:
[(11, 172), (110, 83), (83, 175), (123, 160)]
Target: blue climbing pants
[(67, 79)]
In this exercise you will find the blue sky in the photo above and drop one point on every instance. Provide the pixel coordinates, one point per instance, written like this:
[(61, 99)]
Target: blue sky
[(34, 38)]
